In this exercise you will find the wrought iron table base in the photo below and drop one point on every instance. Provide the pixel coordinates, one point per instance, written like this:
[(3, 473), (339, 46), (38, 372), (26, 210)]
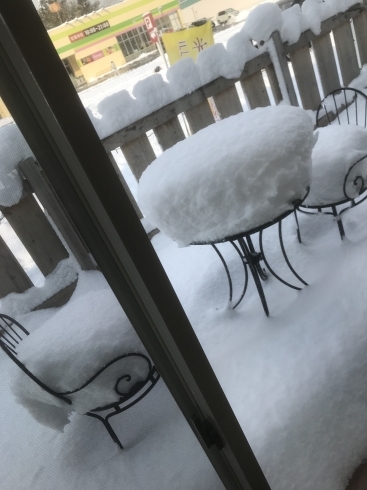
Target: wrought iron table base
[(252, 259)]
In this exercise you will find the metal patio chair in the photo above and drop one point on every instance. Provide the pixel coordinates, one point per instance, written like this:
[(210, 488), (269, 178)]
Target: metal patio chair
[(349, 104), (128, 391)]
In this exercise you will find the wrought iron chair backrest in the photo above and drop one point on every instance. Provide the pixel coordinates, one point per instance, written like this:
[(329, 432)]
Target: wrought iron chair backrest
[(346, 105), (130, 391), (12, 333)]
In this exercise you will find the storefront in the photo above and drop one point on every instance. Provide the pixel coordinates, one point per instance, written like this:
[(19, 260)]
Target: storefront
[(87, 45)]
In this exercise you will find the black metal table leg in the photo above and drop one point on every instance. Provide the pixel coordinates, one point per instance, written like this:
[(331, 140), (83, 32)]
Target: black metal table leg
[(242, 243), (246, 273), (252, 263), (256, 259), (227, 271), (271, 270), (230, 284)]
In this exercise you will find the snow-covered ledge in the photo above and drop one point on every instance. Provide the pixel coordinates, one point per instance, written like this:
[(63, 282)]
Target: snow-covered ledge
[(122, 109)]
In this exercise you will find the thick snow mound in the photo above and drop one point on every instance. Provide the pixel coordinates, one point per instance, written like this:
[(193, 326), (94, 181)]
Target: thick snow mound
[(314, 12), (292, 24), (230, 177), (241, 49), (152, 93), (183, 77), (66, 351), (215, 62), (14, 149), (336, 150), (263, 21), (117, 111)]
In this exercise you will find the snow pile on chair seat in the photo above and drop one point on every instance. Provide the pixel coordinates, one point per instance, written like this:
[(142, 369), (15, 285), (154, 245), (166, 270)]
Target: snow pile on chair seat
[(231, 176), (80, 339), (337, 149)]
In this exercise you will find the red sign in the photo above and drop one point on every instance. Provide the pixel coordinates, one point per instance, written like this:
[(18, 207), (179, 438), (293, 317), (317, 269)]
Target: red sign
[(153, 36), (149, 22), (77, 36)]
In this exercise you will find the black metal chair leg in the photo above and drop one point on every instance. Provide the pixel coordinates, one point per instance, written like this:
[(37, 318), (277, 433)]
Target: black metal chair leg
[(108, 427), (112, 434), (298, 228), (339, 222)]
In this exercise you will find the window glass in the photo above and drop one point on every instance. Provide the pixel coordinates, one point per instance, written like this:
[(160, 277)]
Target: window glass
[(175, 21), (295, 375), (91, 411), (68, 67), (133, 42)]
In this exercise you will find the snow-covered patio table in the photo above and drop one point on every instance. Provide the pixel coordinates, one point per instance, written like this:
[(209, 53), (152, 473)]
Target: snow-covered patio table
[(231, 180)]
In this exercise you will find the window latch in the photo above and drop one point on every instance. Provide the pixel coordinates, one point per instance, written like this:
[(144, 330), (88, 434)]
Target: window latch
[(207, 433)]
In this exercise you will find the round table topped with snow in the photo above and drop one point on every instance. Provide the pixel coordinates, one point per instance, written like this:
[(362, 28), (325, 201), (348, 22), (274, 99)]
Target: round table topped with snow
[(231, 177)]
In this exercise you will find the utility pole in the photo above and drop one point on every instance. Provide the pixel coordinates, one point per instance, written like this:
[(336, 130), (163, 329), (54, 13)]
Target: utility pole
[(55, 8)]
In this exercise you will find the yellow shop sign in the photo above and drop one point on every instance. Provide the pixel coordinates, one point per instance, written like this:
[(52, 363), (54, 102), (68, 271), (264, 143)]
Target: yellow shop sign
[(188, 42)]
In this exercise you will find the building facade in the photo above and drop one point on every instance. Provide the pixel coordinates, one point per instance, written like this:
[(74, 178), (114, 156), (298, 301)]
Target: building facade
[(87, 45)]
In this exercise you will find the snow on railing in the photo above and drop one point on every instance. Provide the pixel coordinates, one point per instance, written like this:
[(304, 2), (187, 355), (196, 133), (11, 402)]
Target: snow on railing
[(121, 109)]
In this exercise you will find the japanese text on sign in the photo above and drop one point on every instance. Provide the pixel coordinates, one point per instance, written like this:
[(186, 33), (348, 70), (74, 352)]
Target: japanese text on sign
[(188, 42), (182, 46), (90, 31)]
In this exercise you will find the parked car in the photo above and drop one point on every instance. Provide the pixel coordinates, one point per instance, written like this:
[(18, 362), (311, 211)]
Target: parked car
[(222, 17), (232, 12), (201, 22)]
